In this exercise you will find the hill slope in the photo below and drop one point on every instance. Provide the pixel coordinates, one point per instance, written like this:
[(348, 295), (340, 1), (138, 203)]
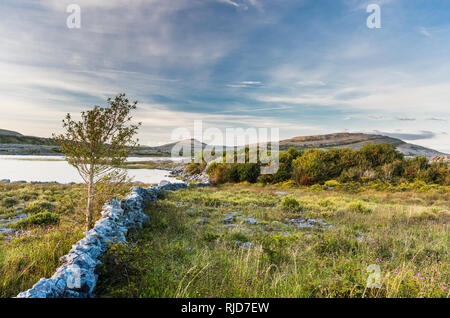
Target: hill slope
[(5, 132), (355, 141)]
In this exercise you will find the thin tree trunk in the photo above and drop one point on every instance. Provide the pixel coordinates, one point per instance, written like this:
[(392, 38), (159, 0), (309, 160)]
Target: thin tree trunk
[(90, 203)]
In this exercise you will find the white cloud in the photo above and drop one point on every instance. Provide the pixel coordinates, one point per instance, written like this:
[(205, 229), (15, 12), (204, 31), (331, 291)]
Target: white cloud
[(230, 2), (424, 31), (311, 83)]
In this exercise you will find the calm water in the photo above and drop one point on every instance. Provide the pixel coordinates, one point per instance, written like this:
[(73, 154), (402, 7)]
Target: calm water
[(54, 168)]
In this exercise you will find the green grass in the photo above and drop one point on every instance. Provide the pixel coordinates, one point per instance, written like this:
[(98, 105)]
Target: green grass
[(56, 221), (187, 251)]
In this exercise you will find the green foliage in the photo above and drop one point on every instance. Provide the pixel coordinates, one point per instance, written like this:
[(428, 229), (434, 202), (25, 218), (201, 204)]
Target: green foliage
[(41, 218), (375, 155), (235, 172), (39, 206), (195, 168), (9, 202), (316, 166), (359, 207), (291, 204)]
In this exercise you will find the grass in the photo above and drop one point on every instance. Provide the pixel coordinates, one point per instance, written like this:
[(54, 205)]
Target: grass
[(151, 164), (188, 251), (55, 222)]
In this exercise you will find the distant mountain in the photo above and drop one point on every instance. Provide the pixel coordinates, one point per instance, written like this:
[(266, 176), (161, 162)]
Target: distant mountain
[(5, 132), (166, 149), (11, 139), (355, 141)]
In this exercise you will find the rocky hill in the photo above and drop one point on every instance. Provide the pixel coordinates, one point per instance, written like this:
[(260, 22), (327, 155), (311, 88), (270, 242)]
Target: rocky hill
[(355, 141)]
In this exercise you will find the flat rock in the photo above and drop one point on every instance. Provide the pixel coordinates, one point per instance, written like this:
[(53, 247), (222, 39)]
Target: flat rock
[(5, 230), (251, 221)]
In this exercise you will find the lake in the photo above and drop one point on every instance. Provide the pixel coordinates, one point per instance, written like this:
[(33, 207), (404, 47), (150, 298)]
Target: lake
[(55, 168)]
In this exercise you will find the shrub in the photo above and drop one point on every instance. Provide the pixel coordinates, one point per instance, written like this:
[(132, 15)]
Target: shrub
[(9, 202), (332, 183), (39, 206), (41, 218), (359, 207), (375, 155), (217, 173), (291, 204), (248, 172), (413, 166), (351, 175), (210, 237), (194, 168)]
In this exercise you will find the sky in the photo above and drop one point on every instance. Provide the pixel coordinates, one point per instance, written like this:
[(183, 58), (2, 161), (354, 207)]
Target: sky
[(303, 66)]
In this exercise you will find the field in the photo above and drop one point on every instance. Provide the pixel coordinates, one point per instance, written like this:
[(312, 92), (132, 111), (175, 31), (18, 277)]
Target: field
[(267, 241), (244, 240), (55, 222)]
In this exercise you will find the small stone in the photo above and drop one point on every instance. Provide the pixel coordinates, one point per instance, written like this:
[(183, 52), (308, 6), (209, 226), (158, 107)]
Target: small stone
[(251, 221), (229, 219)]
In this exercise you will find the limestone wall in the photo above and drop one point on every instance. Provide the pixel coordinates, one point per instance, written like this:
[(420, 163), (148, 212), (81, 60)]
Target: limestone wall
[(76, 278)]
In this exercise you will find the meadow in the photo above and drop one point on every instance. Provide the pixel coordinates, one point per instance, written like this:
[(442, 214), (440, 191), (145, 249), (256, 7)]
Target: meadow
[(55, 221), (256, 240)]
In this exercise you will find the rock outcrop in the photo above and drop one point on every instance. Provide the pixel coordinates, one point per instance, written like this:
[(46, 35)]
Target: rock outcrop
[(76, 278)]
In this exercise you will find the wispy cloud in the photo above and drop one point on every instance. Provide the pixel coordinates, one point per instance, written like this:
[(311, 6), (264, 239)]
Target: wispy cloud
[(246, 84), (405, 118), (436, 119), (424, 31), (409, 136)]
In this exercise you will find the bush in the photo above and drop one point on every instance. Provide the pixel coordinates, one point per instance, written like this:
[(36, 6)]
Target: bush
[(195, 168), (375, 155), (332, 183), (412, 167), (292, 205), (235, 172), (359, 207), (41, 218), (39, 206), (9, 202), (217, 173), (248, 172)]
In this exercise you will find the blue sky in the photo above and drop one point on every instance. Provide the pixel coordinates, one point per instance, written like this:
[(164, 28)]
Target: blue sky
[(305, 66)]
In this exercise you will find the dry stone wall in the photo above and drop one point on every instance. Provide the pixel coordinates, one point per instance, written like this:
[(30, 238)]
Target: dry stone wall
[(76, 278)]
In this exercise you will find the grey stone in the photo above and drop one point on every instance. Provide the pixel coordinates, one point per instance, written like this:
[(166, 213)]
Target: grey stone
[(164, 182), (5, 230), (229, 219), (251, 221)]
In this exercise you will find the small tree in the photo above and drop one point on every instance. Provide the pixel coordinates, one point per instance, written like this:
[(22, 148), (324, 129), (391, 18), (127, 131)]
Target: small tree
[(99, 144)]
